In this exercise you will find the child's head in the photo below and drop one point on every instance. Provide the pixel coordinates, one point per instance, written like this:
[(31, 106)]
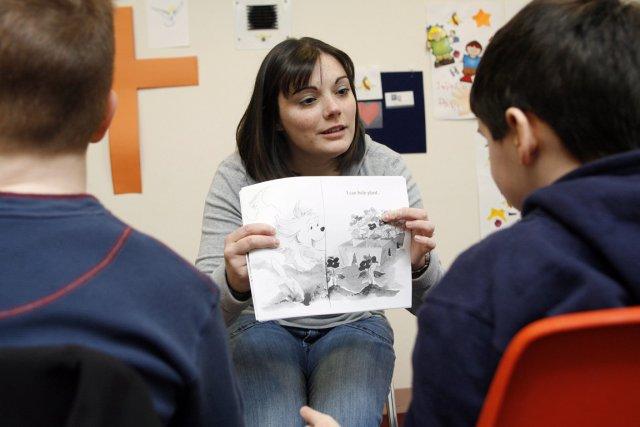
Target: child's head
[(473, 48), (56, 67), (575, 65)]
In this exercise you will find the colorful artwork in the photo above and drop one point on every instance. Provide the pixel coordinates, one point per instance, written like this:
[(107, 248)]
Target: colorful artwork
[(457, 34), (495, 212)]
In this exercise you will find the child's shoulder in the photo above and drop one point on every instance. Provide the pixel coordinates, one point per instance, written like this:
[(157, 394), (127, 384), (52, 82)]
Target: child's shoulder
[(152, 264)]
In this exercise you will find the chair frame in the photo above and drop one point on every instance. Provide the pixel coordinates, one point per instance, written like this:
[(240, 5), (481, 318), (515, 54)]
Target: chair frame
[(392, 412)]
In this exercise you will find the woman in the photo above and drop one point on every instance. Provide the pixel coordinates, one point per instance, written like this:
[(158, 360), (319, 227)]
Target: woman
[(303, 120)]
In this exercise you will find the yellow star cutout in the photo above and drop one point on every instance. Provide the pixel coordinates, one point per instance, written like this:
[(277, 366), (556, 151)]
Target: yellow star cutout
[(497, 213), (482, 18)]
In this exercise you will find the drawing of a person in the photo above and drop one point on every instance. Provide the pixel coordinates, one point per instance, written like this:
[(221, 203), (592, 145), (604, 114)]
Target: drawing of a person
[(440, 45), (470, 61)]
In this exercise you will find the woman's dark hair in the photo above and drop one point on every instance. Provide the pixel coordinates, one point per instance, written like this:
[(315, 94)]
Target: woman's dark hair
[(286, 68), (573, 63)]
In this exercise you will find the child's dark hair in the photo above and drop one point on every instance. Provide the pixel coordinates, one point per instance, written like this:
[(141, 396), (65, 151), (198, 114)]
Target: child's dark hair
[(56, 67), (575, 64), (285, 69)]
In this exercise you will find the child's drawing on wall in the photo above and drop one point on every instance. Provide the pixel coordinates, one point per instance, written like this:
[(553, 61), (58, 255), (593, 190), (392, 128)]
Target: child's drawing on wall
[(439, 44), (458, 32), (470, 61)]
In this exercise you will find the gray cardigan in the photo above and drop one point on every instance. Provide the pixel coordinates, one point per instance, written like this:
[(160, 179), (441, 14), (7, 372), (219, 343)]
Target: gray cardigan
[(222, 216)]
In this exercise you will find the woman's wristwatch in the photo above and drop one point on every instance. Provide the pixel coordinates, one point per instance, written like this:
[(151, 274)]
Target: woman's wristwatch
[(419, 272)]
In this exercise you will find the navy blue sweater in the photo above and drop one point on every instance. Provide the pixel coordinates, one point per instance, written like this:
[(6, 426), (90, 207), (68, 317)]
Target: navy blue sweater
[(71, 273), (576, 248)]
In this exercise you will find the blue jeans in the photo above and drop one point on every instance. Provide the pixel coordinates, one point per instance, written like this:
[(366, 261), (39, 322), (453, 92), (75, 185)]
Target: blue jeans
[(344, 371)]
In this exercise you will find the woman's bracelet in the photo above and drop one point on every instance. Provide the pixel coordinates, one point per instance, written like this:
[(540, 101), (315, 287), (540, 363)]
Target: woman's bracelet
[(419, 272)]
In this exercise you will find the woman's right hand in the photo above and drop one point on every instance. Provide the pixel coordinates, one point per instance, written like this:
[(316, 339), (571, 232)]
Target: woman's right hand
[(236, 247)]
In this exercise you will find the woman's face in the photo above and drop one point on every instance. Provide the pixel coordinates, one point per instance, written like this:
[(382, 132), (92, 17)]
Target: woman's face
[(319, 119)]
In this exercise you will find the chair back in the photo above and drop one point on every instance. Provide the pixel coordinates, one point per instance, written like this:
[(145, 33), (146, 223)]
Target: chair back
[(580, 369), (71, 386)]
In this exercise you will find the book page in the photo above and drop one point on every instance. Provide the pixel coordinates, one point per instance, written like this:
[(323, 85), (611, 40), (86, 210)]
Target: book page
[(336, 255)]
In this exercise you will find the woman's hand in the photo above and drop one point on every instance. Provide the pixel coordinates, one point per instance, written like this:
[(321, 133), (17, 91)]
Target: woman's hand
[(236, 247), (314, 418), (417, 222)]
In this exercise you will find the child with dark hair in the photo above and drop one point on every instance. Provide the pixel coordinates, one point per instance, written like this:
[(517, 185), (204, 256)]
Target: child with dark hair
[(72, 273), (558, 100)]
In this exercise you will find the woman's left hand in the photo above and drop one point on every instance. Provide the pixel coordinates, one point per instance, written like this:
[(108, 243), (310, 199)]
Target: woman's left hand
[(417, 222)]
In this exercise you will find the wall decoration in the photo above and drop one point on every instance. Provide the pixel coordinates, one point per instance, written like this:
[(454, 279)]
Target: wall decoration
[(495, 212), (130, 75), (368, 83), (456, 35), (403, 128), (370, 113), (168, 23), (261, 24)]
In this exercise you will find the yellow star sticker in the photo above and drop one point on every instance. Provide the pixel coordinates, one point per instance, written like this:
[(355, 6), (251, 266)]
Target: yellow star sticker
[(482, 18), (497, 213)]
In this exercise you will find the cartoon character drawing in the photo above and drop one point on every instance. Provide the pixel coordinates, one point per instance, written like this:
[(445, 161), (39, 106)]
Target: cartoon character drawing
[(470, 61), (299, 252), (298, 237), (440, 45)]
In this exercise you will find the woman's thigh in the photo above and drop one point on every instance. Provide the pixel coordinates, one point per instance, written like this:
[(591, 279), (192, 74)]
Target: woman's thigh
[(351, 369), (269, 365)]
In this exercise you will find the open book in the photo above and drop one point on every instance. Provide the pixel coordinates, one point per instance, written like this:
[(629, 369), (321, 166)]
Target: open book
[(336, 255)]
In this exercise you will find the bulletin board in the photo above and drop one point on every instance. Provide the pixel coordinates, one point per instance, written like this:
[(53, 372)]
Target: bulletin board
[(403, 128)]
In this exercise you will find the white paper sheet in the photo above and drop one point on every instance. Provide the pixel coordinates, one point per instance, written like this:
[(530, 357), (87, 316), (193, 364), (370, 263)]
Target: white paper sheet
[(368, 83), (273, 20), (495, 212), (168, 23)]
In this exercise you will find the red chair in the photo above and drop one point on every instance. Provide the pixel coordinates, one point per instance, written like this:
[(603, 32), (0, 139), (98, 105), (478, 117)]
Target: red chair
[(580, 369)]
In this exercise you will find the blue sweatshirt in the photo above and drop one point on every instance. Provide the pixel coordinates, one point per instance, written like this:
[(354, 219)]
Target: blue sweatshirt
[(576, 248), (74, 274)]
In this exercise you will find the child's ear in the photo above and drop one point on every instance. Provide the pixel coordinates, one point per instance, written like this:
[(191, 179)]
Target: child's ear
[(521, 127), (112, 104)]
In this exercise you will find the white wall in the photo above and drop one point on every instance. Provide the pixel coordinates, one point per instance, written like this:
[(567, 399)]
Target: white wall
[(186, 132)]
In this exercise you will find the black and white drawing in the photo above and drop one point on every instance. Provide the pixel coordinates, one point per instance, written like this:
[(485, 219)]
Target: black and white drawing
[(362, 268), (336, 255)]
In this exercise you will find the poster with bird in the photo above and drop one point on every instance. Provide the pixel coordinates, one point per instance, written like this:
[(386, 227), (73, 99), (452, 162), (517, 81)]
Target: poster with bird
[(168, 23)]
